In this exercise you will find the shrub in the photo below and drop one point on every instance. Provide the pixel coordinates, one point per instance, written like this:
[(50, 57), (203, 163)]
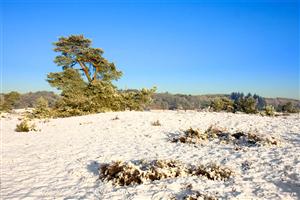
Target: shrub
[(136, 100), (24, 126), (270, 110), (246, 104), (219, 104), (41, 108), (289, 108)]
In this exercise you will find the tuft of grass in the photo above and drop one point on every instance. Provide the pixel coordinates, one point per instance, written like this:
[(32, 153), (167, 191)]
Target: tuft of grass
[(156, 123), (24, 126)]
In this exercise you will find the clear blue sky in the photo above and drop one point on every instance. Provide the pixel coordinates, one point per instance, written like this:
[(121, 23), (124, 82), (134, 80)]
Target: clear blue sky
[(192, 47)]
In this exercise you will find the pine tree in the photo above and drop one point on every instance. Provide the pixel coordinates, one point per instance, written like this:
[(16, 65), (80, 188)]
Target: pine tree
[(92, 91)]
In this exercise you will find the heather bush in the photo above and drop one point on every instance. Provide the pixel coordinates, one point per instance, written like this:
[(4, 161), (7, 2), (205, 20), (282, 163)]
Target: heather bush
[(138, 172), (221, 135), (141, 171), (213, 172)]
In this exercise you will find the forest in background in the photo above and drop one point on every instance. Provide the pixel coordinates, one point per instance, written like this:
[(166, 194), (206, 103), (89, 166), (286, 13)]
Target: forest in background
[(161, 101)]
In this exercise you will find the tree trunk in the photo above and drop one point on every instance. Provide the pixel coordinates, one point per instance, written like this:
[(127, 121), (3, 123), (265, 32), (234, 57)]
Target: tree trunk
[(95, 74), (84, 68)]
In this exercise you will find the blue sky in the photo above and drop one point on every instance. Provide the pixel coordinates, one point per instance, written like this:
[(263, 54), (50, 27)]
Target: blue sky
[(192, 47)]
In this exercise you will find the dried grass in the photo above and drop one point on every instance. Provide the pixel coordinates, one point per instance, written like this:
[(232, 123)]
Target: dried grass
[(24, 126)]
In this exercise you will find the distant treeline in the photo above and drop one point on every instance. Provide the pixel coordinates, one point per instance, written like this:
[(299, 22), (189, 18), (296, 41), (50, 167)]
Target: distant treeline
[(169, 101), (27, 100), (163, 101)]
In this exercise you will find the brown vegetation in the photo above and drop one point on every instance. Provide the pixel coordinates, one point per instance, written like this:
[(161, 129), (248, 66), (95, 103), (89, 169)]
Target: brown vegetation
[(193, 136), (138, 172)]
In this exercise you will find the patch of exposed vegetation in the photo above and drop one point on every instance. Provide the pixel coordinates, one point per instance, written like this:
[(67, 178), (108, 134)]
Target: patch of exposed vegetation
[(213, 172), (138, 172), (156, 123), (189, 194), (25, 126), (191, 136), (194, 136), (196, 195)]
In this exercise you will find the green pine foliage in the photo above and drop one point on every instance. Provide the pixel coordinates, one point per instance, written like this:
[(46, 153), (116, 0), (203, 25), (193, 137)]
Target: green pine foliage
[(247, 105), (219, 104), (137, 100), (86, 81), (42, 109)]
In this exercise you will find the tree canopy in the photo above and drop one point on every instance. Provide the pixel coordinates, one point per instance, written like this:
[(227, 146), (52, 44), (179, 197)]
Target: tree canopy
[(76, 51), (93, 92)]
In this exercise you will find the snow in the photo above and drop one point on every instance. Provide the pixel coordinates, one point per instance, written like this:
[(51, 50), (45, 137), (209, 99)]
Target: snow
[(61, 159)]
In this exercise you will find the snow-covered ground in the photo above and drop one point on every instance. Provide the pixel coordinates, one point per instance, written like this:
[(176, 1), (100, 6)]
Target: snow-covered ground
[(61, 160)]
